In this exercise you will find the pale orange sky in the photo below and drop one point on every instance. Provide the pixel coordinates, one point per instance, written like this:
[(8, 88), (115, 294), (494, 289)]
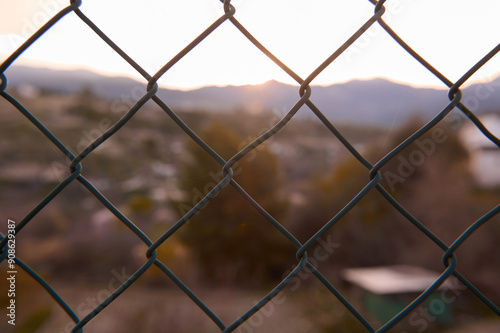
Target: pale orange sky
[(451, 34)]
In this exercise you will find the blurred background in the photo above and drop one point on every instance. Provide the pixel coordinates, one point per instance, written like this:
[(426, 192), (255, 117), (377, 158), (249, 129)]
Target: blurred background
[(228, 254)]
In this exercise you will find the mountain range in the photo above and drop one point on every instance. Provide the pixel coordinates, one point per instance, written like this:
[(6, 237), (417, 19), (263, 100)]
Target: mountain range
[(378, 102)]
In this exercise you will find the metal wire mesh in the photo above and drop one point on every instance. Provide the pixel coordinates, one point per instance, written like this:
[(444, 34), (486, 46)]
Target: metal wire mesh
[(449, 258)]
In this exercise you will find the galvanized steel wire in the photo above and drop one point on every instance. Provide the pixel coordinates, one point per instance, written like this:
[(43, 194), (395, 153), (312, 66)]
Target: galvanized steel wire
[(74, 175)]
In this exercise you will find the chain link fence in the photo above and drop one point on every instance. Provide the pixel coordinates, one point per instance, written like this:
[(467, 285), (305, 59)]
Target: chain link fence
[(449, 259)]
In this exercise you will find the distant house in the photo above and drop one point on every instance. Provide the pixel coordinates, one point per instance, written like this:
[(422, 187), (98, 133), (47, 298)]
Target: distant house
[(386, 290), (484, 155)]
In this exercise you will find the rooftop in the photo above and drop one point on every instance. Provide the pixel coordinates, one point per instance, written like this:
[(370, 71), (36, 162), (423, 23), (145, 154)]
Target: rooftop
[(392, 279)]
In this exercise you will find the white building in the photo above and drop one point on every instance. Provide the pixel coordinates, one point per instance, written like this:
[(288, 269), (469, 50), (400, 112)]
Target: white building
[(484, 154)]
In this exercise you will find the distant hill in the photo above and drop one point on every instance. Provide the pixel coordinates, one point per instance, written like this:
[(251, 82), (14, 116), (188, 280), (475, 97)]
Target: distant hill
[(378, 101)]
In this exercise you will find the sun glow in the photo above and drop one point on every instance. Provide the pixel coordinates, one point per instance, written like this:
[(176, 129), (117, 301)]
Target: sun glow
[(302, 36)]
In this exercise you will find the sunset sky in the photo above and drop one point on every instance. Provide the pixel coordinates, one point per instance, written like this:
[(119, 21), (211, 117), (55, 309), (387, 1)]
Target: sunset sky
[(451, 34)]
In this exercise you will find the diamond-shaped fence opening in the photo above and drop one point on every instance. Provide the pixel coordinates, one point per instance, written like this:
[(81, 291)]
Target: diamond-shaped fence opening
[(155, 238)]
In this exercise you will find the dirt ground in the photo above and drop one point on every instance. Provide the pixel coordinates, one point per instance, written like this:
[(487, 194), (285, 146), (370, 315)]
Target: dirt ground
[(145, 309), (487, 326)]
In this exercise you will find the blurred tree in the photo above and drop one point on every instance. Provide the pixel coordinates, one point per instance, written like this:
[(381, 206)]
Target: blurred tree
[(429, 178), (328, 194), (359, 231), (373, 222), (440, 146), (231, 241)]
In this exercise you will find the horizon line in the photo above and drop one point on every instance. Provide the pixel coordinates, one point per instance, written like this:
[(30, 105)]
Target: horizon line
[(81, 67)]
